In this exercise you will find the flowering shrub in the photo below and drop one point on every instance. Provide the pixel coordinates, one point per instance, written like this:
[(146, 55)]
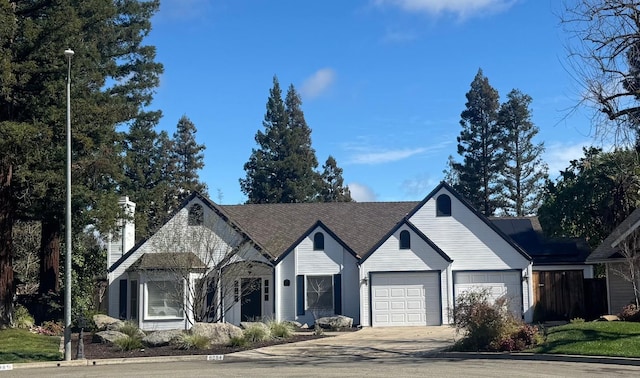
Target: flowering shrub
[(49, 328), (630, 313)]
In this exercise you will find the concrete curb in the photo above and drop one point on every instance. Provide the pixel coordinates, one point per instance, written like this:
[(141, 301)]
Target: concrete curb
[(533, 357), (113, 361)]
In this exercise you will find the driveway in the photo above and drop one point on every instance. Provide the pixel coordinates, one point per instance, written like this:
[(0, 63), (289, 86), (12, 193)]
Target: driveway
[(367, 343)]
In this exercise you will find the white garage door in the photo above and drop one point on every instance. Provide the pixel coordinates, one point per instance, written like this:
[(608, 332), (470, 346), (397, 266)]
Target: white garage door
[(499, 283), (405, 299)]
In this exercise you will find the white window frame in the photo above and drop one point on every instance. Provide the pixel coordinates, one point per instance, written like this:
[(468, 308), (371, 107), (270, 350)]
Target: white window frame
[(147, 302)]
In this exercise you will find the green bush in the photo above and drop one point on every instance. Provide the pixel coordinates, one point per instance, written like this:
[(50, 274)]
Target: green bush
[(281, 330), (22, 319), (482, 323), (256, 333), (238, 341), (190, 341), (128, 343), (576, 320)]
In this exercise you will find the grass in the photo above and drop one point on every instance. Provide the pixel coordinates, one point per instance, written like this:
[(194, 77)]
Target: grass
[(620, 339), (19, 345)]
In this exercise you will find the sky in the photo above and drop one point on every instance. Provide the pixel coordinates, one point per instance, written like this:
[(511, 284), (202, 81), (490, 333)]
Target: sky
[(383, 82)]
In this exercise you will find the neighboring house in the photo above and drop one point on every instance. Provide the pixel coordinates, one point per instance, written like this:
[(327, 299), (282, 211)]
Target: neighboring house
[(380, 263), (610, 253), (562, 279)]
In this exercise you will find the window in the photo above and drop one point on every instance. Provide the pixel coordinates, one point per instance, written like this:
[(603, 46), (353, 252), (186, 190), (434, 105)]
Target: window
[(196, 215), (164, 299), (320, 294), (318, 241), (443, 206), (405, 239)]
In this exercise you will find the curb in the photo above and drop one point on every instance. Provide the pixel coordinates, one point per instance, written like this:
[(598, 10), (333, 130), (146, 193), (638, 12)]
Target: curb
[(114, 361), (629, 361)]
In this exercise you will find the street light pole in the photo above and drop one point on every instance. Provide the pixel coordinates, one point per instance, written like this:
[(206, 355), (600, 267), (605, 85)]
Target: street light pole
[(67, 270)]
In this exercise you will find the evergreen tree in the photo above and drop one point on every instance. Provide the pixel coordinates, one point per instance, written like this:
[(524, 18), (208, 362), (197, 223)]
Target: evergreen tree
[(281, 169), (524, 173), (332, 187), (189, 158), (480, 145), (113, 77)]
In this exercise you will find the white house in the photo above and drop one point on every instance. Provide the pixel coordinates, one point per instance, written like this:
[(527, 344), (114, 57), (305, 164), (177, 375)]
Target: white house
[(380, 263)]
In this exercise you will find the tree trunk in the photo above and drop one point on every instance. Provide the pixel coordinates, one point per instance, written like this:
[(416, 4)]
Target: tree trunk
[(7, 288), (50, 256)]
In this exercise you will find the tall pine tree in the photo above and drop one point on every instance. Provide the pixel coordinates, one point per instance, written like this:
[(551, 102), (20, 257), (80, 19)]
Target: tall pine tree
[(281, 169), (524, 173), (480, 144), (332, 187), (189, 159)]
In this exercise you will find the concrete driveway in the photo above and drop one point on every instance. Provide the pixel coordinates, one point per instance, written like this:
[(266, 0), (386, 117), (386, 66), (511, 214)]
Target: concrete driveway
[(367, 343)]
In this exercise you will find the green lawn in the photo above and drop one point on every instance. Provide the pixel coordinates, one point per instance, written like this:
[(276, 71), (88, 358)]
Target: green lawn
[(593, 339), (17, 345)]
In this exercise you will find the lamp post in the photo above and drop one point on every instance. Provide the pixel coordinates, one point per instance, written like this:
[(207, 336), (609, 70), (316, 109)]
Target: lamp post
[(67, 270)]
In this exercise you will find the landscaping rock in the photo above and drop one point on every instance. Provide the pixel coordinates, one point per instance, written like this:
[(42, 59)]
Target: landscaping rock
[(104, 322), (218, 333), (608, 318), (108, 337), (245, 325), (295, 324), (335, 322), (161, 338)]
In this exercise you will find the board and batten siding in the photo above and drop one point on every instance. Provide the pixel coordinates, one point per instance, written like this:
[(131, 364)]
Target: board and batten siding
[(620, 291), (390, 258), (304, 261)]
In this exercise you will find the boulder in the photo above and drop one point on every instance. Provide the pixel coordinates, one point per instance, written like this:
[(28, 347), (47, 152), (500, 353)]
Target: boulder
[(107, 337), (104, 322), (608, 318), (294, 324), (335, 322), (218, 333), (161, 338)]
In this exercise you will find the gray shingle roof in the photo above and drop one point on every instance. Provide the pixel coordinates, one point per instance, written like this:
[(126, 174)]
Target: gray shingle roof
[(605, 250), (360, 225)]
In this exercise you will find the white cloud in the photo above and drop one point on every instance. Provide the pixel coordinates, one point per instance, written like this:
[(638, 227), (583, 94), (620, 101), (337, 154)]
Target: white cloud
[(419, 186), (362, 193), (385, 156), (461, 8), (317, 83), (558, 155)]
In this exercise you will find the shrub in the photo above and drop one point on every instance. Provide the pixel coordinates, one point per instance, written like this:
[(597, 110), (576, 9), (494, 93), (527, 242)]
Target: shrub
[(188, 341), (238, 341), (483, 323), (22, 318), (280, 330), (50, 328), (524, 337), (630, 313), (256, 333), (576, 320), (130, 329), (128, 343)]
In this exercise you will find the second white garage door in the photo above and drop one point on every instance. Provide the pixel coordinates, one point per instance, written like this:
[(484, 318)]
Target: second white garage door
[(405, 299), (498, 282)]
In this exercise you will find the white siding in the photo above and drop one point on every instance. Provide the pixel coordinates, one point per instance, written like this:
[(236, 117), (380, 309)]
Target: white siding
[(390, 258), (303, 260), (619, 290), (466, 238)]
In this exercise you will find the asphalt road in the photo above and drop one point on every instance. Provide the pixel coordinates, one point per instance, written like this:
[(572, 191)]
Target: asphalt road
[(400, 367)]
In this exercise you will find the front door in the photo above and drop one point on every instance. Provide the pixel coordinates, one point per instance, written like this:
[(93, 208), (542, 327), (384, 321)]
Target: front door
[(251, 307)]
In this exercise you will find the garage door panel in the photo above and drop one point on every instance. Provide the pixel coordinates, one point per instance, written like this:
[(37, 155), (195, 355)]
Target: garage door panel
[(498, 283), (400, 299)]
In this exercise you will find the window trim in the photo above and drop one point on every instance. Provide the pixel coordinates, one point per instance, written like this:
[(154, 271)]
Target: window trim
[(404, 242), (440, 205), (318, 238), (147, 304)]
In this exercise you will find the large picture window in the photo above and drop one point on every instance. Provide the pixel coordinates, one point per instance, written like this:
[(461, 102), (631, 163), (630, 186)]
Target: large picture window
[(320, 294), (164, 299)]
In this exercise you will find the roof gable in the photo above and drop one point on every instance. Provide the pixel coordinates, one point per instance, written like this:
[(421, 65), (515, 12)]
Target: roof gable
[(608, 248), (308, 232)]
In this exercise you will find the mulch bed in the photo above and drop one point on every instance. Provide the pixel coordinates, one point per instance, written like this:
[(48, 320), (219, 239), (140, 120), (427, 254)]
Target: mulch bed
[(98, 350)]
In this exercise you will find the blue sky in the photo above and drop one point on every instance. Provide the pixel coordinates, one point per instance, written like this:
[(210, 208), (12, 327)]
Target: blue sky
[(383, 82)]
